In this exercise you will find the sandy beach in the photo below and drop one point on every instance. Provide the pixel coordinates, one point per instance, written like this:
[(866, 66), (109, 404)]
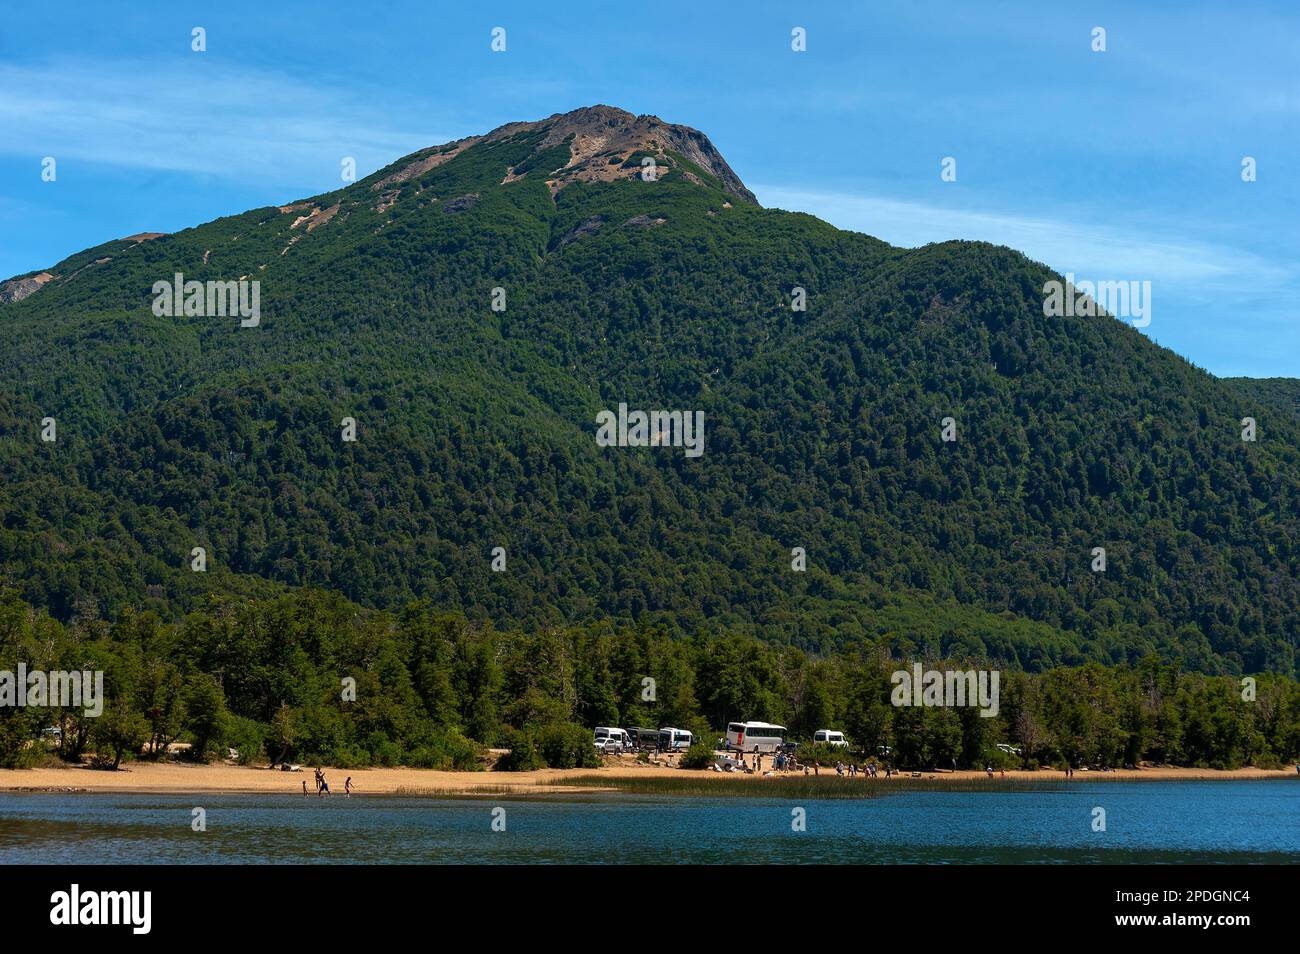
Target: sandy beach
[(179, 777)]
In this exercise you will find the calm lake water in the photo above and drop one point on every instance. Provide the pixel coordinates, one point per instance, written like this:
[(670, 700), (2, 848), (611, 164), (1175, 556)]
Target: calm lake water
[(1146, 822)]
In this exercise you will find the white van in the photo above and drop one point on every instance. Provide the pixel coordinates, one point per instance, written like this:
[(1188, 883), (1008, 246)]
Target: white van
[(674, 740), (616, 738), (830, 737)]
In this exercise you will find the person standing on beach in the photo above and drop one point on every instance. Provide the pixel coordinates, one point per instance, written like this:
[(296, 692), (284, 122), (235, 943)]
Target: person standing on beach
[(304, 787), (347, 787)]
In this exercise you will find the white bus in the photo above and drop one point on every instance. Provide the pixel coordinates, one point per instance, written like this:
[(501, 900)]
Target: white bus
[(755, 736), (672, 740)]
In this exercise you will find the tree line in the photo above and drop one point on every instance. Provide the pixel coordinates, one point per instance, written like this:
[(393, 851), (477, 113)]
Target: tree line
[(311, 677)]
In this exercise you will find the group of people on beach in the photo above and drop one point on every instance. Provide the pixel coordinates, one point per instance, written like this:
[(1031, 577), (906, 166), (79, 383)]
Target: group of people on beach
[(784, 762), (781, 762), (323, 786), (852, 770)]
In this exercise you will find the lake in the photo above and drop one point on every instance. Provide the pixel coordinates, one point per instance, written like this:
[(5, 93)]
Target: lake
[(1146, 822)]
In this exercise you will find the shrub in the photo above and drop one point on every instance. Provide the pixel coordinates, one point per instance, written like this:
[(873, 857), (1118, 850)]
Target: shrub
[(348, 755), (524, 754), (999, 760), (1268, 760), (567, 745), (385, 752), (17, 728), (698, 756), (819, 753), (448, 752), (556, 745), (246, 736)]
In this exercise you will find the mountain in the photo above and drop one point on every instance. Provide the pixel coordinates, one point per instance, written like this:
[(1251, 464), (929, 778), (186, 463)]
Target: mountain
[(477, 428), (1275, 392)]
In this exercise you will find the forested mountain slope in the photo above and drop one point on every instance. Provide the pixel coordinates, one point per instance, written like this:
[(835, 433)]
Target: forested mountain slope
[(476, 427), (1277, 392)]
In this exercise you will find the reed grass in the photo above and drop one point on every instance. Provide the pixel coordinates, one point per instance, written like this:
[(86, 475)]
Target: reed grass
[(462, 792), (797, 786)]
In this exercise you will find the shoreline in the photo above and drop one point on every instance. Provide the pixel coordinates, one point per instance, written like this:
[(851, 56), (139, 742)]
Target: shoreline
[(164, 778)]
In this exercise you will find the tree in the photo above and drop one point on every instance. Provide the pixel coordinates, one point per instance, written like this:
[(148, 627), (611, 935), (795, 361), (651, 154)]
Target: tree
[(159, 696), (205, 710), (1028, 733), (284, 731), (118, 732)]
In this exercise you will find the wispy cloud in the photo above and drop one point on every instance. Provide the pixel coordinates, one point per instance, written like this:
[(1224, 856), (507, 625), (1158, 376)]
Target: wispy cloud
[(198, 116), (1066, 243)]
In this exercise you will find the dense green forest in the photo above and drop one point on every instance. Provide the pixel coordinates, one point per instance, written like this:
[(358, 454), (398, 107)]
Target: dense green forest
[(1277, 392), (432, 689), (476, 430)]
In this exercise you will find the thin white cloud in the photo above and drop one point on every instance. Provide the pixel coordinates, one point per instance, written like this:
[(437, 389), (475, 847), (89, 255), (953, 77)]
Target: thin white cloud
[(1088, 249), (198, 116)]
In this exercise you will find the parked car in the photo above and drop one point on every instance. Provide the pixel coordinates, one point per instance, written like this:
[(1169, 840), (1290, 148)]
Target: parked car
[(609, 746), (614, 734)]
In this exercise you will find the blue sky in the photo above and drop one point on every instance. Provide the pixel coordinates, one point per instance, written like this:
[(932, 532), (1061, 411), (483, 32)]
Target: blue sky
[(1122, 165)]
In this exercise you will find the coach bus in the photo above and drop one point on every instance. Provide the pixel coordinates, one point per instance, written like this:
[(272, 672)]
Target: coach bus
[(755, 736), (674, 740)]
